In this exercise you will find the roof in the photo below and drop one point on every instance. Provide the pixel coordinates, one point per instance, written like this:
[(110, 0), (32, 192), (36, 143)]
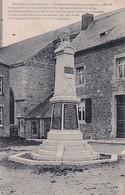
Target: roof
[(23, 50), (43, 110), (3, 61), (105, 28), (74, 29)]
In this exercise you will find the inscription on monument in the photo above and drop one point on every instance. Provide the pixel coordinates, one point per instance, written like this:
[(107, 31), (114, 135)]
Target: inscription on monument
[(68, 70), (70, 117), (57, 116)]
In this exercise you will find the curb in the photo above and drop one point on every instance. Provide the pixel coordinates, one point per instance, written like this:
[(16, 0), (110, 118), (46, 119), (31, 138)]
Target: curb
[(18, 158)]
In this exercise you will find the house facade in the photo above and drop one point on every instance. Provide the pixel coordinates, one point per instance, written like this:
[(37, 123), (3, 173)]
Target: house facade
[(100, 76), (4, 99), (32, 76)]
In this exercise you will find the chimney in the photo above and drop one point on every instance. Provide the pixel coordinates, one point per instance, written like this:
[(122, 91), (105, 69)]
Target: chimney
[(87, 19)]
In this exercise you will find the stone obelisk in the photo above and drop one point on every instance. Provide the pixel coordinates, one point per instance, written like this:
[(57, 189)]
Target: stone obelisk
[(64, 102)]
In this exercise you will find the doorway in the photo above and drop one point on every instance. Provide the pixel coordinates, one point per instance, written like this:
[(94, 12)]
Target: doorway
[(35, 129), (121, 116), (12, 117)]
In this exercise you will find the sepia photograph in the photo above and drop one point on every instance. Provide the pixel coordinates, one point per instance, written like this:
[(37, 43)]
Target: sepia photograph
[(62, 97)]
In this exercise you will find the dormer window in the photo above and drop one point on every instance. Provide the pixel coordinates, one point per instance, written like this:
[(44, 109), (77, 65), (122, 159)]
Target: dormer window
[(102, 35), (105, 33)]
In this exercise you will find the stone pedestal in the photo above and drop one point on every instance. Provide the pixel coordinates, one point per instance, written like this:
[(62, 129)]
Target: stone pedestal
[(64, 116), (65, 146)]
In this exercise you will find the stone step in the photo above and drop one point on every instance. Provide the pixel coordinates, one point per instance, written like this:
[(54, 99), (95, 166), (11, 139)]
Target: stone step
[(77, 153), (46, 153), (49, 148), (75, 148), (43, 158), (66, 135), (82, 158), (65, 143), (50, 143)]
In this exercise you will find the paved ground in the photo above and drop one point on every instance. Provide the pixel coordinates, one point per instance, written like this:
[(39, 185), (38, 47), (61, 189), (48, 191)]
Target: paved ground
[(108, 148), (102, 179)]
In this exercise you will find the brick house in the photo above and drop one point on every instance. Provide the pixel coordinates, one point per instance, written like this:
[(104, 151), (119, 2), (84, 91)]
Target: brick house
[(4, 98), (100, 75)]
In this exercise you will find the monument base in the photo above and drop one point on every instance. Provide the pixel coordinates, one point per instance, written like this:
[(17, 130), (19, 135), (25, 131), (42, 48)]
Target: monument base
[(65, 146)]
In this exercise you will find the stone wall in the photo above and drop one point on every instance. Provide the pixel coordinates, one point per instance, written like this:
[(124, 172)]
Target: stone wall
[(40, 77), (33, 81), (99, 85), (4, 100)]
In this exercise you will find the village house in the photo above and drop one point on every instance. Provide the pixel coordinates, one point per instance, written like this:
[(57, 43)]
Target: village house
[(32, 76), (4, 99), (100, 77)]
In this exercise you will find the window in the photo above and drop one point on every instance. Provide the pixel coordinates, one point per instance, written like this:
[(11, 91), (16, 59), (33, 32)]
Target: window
[(85, 110), (81, 111), (1, 85), (120, 62), (1, 116), (80, 75)]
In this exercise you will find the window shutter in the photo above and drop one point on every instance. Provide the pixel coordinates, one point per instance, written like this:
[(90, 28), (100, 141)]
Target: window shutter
[(88, 110)]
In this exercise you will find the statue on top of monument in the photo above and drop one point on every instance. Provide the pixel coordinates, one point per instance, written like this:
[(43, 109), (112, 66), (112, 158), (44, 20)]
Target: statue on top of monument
[(64, 35)]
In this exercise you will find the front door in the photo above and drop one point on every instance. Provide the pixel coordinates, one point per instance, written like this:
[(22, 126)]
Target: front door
[(121, 116), (35, 130)]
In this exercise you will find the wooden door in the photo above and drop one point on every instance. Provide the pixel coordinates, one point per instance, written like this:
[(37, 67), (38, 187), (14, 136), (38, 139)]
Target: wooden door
[(35, 129), (121, 116)]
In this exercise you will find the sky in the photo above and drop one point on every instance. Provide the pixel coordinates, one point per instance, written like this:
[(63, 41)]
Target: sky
[(16, 28)]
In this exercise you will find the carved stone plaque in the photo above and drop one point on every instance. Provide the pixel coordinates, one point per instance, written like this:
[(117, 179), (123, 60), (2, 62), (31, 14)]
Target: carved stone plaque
[(70, 117), (68, 70), (57, 116)]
